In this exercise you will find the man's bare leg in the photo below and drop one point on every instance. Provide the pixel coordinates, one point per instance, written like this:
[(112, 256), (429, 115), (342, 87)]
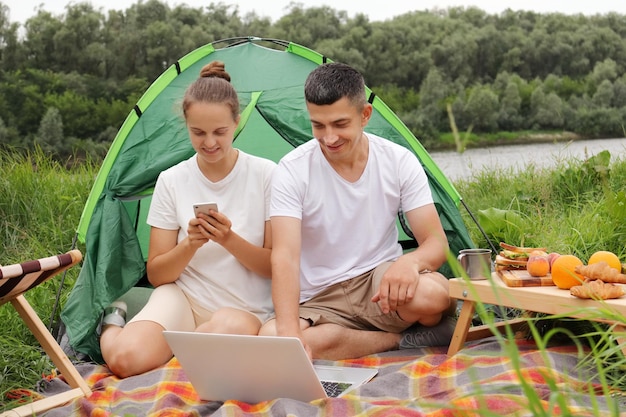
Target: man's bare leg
[(333, 342)]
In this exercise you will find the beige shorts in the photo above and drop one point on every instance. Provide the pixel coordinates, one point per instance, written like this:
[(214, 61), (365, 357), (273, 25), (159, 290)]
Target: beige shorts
[(349, 305), (169, 306)]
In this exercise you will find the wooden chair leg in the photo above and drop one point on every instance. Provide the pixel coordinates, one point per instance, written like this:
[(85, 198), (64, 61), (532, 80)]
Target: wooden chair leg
[(58, 357)]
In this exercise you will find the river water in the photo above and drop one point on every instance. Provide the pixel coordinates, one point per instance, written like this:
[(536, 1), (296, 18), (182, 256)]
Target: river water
[(457, 166)]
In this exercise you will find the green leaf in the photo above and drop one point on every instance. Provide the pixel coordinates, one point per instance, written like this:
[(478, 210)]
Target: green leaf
[(495, 221)]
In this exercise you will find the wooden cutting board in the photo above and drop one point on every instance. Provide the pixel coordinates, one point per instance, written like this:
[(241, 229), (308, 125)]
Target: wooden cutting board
[(522, 278)]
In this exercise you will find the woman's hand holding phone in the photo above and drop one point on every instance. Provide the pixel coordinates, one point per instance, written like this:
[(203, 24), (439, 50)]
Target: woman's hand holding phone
[(211, 224)]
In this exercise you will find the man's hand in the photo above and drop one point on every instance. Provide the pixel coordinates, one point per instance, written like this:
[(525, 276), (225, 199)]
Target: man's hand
[(299, 333), (398, 285)]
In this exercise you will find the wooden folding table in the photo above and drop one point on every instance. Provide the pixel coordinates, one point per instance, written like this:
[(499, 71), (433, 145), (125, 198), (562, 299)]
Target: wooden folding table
[(542, 299)]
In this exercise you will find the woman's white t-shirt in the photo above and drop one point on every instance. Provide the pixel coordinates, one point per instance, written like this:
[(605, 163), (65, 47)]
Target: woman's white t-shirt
[(214, 278), (347, 228)]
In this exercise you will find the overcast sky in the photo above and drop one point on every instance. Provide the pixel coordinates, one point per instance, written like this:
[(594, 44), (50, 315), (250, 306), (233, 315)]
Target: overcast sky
[(20, 10)]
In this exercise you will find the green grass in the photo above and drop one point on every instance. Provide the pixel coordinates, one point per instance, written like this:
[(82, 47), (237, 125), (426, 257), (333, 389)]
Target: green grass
[(40, 205), (578, 207)]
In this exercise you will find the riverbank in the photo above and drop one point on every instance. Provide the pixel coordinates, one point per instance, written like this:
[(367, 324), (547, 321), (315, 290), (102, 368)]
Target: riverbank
[(538, 152), (445, 142)]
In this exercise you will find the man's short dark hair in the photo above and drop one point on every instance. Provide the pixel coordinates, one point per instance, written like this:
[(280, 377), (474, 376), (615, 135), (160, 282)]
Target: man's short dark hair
[(330, 82)]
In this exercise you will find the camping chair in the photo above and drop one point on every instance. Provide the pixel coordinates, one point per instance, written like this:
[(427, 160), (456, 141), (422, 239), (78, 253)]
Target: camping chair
[(15, 280)]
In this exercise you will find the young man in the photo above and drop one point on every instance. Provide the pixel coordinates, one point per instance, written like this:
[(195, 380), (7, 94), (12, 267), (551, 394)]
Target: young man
[(340, 281)]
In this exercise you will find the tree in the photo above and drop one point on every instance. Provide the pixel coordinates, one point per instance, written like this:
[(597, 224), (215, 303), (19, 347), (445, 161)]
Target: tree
[(455, 55), (310, 26), (8, 135), (9, 45), (50, 133), (80, 41), (490, 49), (600, 122), (509, 114), (433, 94), (603, 96), (619, 93), (543, 69), (338, 50), (599, 43), (39, 46), (605, 70), (546, 109), (482, 109)]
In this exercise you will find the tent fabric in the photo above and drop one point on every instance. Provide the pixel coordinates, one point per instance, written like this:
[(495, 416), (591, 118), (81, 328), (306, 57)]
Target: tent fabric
[(269, 77)]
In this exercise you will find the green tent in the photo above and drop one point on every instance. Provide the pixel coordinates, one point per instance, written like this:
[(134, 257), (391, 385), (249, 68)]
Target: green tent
[(269, 76)]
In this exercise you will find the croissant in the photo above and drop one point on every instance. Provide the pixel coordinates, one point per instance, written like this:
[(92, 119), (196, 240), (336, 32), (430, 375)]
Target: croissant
[(597, 290), (601, 270)]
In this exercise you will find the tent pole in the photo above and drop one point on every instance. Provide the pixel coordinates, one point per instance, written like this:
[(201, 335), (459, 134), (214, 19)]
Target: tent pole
[(493, 248)]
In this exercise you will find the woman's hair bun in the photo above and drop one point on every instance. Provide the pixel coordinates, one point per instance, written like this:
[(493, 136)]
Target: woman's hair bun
[(215, 69)]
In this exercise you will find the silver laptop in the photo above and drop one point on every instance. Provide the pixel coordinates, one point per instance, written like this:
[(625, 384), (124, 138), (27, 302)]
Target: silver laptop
[(258, 368)]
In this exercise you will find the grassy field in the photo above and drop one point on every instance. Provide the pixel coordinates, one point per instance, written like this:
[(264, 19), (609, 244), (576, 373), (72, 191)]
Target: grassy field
[(578, 207), (40, 204)]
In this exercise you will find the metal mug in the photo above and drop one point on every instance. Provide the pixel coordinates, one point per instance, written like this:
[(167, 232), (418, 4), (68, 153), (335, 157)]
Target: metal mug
[(476, 263)]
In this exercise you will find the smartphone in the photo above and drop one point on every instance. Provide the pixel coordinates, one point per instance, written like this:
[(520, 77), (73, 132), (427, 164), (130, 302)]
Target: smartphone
[(204, 208)]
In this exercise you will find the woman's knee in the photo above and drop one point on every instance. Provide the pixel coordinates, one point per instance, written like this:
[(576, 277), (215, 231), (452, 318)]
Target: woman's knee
[(131, 354), (128, 360)]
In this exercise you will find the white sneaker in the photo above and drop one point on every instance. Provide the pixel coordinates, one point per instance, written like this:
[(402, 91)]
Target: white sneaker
[(115, 314)]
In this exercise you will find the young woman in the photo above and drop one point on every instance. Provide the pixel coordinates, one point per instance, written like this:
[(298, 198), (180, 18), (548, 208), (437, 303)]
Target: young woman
[(211, 273)]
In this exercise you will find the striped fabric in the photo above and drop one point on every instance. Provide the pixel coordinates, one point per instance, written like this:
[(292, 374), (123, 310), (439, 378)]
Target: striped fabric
[(18, 278)]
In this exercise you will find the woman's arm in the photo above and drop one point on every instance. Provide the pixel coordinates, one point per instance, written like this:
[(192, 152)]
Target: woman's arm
[(255, 258), (167, 257)]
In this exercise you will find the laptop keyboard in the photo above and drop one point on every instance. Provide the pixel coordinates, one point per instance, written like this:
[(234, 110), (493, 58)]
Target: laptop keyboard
[(334, 389)]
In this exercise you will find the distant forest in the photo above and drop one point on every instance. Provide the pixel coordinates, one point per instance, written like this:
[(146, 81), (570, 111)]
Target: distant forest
[(68, 81)]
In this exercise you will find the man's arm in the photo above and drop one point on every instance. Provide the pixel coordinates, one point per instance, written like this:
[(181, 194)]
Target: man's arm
[(431, 238), (400, 282), (286, 233)]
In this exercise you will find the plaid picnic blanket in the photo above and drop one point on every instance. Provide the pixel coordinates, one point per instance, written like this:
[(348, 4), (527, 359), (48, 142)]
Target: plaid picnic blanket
[(479, 380)]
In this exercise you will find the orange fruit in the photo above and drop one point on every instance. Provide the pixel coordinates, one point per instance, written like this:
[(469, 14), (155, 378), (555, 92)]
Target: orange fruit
[(563, 274), (606, 256)]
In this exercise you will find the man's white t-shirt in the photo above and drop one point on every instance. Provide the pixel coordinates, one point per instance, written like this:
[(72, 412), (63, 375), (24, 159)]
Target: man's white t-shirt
[(214, 278), (347, 228)]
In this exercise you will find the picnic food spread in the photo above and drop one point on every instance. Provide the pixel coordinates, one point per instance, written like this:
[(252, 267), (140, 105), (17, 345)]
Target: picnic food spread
[(600, 278)]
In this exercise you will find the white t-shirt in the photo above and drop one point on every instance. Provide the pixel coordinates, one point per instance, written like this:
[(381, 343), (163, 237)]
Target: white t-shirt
[(214, 278), (347, 228)]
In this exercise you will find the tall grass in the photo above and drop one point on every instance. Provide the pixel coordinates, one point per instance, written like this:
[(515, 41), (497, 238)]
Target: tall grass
[(578, 207), (40, 204)]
